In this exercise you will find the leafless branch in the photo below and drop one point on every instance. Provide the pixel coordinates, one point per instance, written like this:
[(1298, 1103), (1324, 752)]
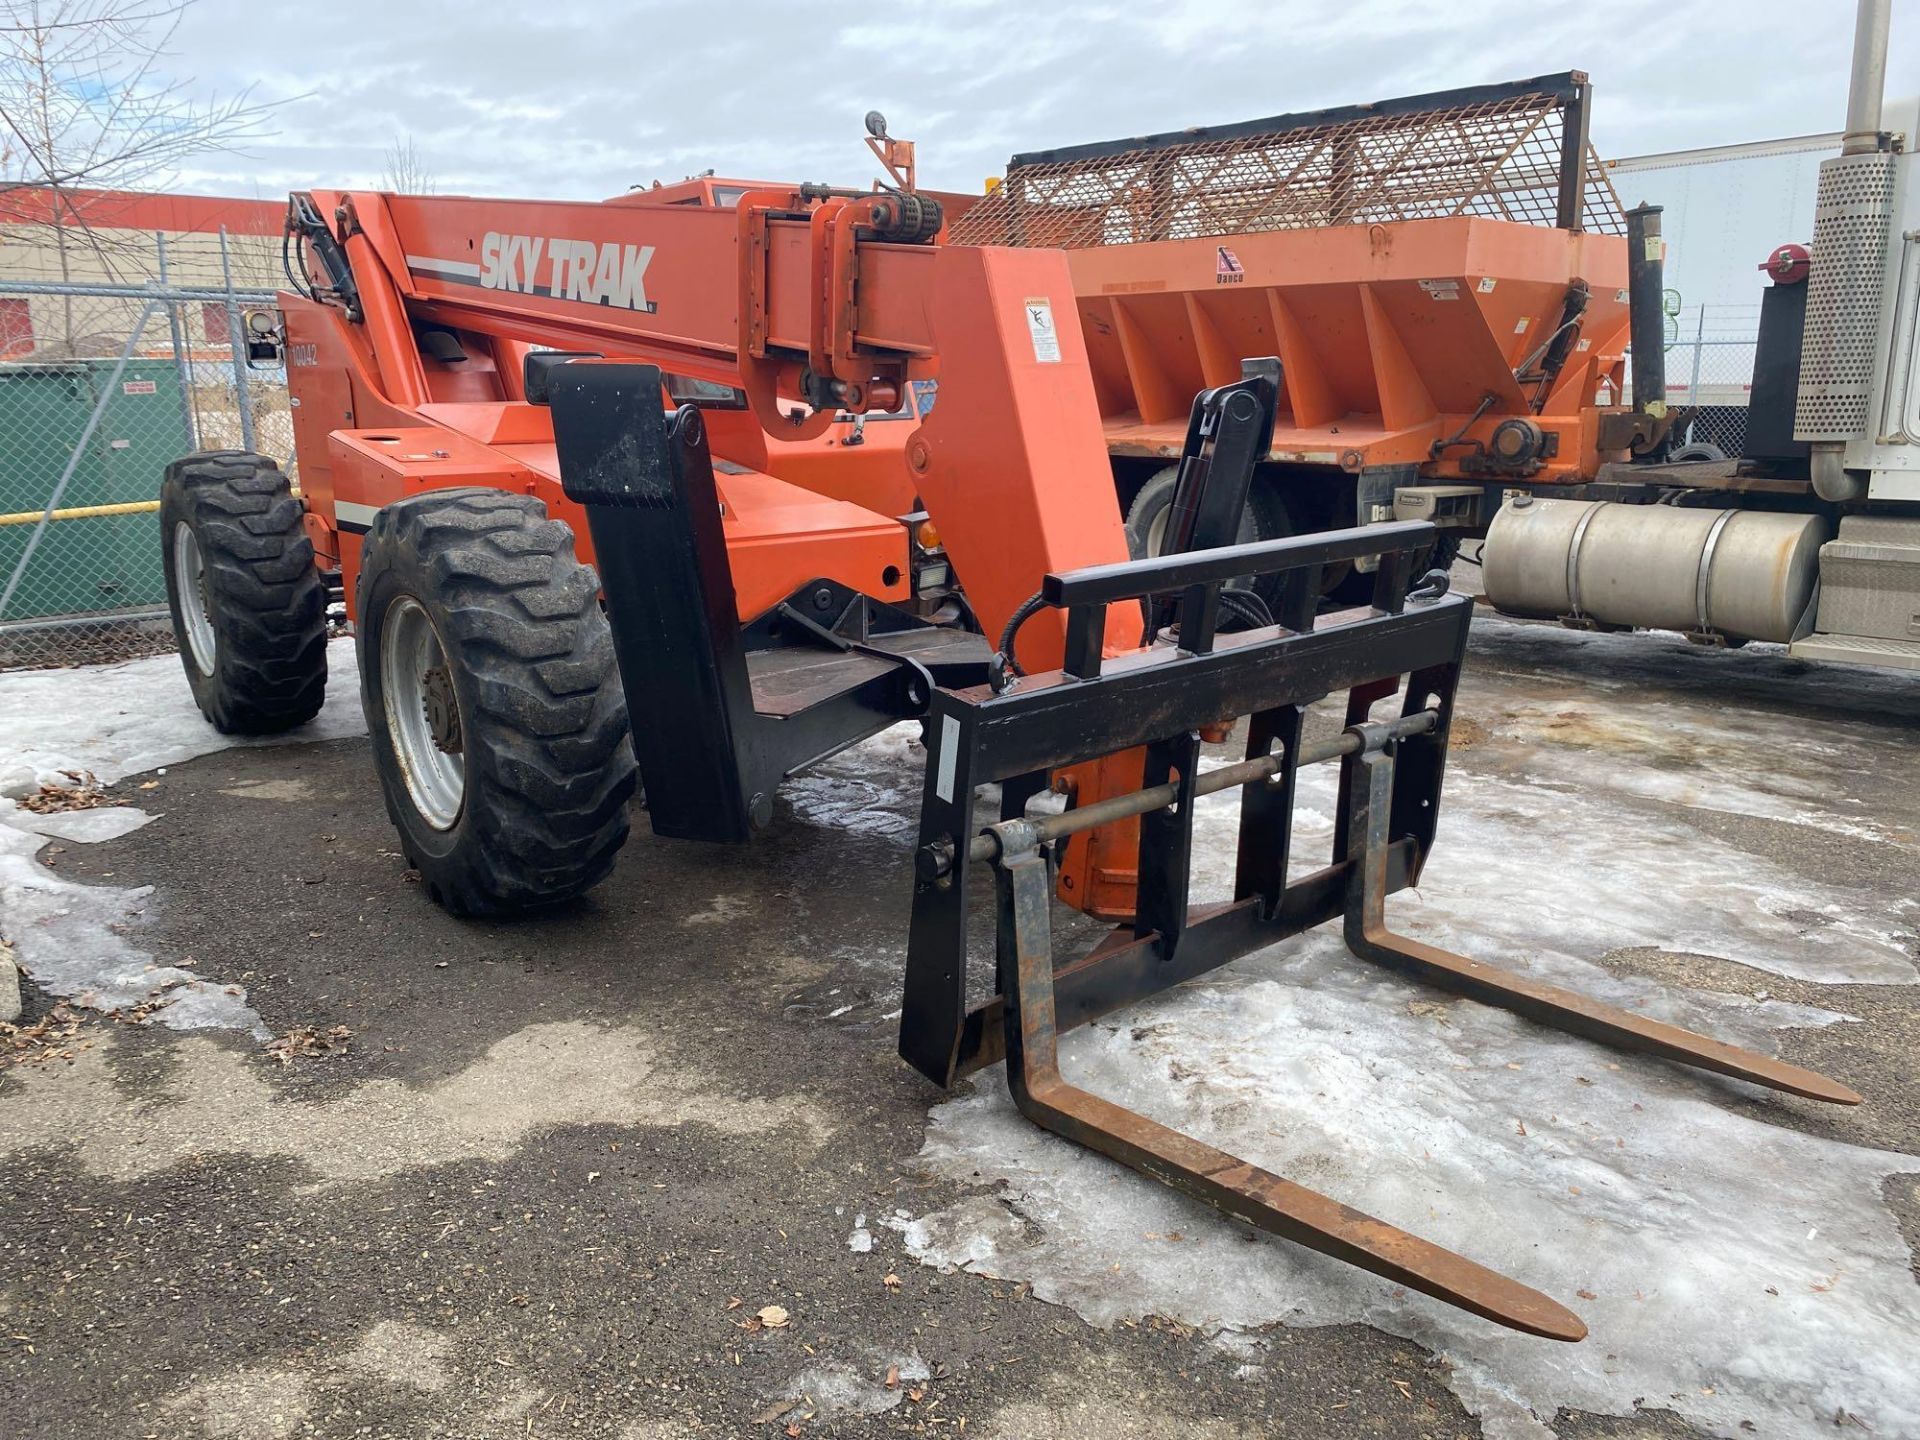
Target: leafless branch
[(89, 100), (405, 173)]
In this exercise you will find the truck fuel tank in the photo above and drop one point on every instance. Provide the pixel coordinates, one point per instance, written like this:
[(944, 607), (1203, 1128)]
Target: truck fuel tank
[(1736, 574)]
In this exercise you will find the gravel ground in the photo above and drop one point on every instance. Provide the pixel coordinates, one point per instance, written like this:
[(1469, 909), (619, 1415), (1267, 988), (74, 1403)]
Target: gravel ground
[(560, 1168)]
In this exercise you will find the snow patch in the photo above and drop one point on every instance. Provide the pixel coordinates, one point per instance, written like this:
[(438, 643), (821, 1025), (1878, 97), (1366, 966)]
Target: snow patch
[(70, 940), (116, 721), (860, 1242), (836, 1387), (83, 827), (119, 720), (1734, 759), (871, 789), (1520, 869)]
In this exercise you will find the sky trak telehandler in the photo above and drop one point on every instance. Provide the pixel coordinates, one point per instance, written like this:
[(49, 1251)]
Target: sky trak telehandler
[(497, 399)]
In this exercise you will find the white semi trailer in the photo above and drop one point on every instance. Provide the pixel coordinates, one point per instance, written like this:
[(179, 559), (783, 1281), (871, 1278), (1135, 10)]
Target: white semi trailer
[(1812, 537)]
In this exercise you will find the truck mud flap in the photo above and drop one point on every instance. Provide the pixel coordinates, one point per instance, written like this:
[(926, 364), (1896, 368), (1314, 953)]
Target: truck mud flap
[(1158, 700)]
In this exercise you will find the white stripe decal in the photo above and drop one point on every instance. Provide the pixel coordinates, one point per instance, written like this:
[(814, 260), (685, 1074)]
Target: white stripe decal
[(443, 267), (949, 757), (346, 512)]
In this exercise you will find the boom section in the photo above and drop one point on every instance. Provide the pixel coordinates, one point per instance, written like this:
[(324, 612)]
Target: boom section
[(813, 302)]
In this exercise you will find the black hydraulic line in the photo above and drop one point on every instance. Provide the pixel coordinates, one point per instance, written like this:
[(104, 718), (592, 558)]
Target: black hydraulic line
[(297, 283), (1248, 605), (304, 216), (1029, 607)]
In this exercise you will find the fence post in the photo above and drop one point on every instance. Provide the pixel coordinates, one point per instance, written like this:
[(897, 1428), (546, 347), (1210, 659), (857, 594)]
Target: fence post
[(238, 340), (180, 361), (79, 449), (1693, 384)]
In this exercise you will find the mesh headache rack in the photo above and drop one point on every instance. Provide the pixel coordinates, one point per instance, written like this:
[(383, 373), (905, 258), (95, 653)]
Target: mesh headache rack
[(1517, 151)]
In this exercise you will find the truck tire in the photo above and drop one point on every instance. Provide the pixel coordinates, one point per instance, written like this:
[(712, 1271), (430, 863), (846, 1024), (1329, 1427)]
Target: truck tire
[(1265, 518), (1355, 587), (249, 609), (493, 701)]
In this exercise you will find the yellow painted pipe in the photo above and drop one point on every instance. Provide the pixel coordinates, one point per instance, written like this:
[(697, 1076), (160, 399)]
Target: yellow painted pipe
[(82, 512)]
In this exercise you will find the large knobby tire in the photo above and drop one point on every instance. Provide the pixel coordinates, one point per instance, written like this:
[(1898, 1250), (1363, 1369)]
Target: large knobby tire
[(498, 723), (249, 610), (1265, 518)]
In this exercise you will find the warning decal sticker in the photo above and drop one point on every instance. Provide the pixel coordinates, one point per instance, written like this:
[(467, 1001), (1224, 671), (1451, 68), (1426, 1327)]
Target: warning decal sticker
[(1046, 339)]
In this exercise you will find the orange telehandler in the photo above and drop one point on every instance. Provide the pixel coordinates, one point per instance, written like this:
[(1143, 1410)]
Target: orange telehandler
[(541, 449)]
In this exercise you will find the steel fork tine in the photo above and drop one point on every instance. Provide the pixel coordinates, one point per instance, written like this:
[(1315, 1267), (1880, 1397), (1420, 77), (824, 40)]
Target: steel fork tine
[(1239, 1190), (1369, 938)]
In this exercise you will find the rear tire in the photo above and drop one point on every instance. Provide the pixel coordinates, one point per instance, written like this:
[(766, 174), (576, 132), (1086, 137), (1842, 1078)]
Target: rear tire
[(249, 610), (1356, 586), (1265, 518), (498, 723)]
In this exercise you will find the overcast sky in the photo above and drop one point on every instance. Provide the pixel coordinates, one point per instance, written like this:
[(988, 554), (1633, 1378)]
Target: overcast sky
[(575, 100)]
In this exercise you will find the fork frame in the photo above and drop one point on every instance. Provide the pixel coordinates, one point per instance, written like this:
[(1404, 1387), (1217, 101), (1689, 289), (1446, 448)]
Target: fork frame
[(1158, 699)]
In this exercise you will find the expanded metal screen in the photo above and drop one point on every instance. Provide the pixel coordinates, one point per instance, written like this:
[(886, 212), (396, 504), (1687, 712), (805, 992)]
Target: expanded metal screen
[(1511, 152)]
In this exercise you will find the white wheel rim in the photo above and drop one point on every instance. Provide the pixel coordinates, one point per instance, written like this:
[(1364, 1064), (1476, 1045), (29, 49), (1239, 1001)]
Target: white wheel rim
[(190, 579), (423, 713), (1157, 531)]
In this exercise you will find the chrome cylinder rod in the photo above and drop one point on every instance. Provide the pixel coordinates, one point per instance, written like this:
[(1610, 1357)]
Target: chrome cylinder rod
[(986, 846)]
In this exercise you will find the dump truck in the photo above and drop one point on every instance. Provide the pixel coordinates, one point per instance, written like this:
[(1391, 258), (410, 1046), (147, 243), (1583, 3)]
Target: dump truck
[(1472, 332), (1445, 279), (537, 445), (1811, 535)]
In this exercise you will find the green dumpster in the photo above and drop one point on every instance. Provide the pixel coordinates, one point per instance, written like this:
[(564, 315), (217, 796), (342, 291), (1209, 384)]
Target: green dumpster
[(86, 563)]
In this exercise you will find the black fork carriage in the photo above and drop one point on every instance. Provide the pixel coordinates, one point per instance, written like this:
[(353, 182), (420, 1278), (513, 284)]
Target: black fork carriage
[(1410, 640)]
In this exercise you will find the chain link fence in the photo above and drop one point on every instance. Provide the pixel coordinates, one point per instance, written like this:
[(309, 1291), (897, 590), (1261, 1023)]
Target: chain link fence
[(103, 381), (1710, 371)]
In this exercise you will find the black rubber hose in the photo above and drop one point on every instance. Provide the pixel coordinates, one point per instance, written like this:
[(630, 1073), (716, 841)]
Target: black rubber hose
[(1247, 606), (1029, 607)]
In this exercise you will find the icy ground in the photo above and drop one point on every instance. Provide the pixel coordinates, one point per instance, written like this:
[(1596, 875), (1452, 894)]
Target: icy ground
[(1733, 1270), (115, 721)]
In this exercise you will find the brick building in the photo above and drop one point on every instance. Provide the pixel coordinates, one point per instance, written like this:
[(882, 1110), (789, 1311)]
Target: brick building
[(93, 237)]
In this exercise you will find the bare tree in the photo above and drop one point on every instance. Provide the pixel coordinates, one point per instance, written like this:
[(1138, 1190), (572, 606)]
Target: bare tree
[(405, 172), (87, 102)]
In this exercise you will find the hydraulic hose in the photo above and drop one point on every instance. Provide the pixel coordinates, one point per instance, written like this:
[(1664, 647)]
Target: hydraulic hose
[(1029, 607)]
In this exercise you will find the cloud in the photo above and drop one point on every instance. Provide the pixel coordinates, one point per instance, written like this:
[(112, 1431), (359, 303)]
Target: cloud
[(580, 101)]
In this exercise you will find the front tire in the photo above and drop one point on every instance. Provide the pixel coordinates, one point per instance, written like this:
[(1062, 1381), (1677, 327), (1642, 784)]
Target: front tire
[(498, 723), (249, 610)]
